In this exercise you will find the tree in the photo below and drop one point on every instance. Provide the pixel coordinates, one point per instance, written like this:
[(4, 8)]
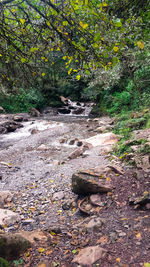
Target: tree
[(88, 34)]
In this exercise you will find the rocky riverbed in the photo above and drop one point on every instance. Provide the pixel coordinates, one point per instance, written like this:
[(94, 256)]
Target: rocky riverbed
[(37, 199)]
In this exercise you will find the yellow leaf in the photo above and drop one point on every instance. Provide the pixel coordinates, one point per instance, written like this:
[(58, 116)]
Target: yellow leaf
[(0, 55), (138, 235), (78, 77), (69, 71), (52, 233), (13, 10), (64, 57), (43, 74), (65, 23), (40, 250), (22, 21), (27, 254), (42, 265), (42, 58), (146, 264), (84, 26), (48, 23), (23, 60), (108, 179), (115, 48), (118, 259), (140, 45)]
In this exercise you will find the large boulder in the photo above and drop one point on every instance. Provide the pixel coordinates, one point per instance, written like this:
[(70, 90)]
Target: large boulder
[(89, 182), (12, 245), (8, 217)]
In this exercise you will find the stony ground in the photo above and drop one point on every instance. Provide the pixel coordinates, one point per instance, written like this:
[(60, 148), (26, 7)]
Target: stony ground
[(37, 170)]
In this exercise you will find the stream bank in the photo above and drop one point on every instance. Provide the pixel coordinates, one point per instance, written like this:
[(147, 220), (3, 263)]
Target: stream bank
[(37, 170)]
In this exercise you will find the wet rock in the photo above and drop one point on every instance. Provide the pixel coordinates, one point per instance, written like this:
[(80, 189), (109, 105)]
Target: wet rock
[(9, 126), (64, 110), (5, 197), (8, 217), (42, 148), (79, 143), (34, 112), (71, 142), (18, 118), (78, 111), (101, 129), (62, 140), (58, 195), (86, 183), (27, 222), (34, 131), (12, 245), (76, 153), (2, 110), (90, 255), (143, 200)]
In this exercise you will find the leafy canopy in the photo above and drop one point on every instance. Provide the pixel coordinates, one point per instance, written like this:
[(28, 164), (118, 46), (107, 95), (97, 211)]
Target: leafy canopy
[(88, 34)]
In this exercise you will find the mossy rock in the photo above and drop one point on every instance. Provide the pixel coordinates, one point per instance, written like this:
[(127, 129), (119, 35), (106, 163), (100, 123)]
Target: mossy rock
[(4, 263), (12, 245)]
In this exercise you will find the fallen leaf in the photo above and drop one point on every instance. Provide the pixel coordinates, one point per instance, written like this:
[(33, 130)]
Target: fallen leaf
[(74, 251), (103, 239), (118, 259), (146, 264), (138, 235), (40, 250), (42, 265)]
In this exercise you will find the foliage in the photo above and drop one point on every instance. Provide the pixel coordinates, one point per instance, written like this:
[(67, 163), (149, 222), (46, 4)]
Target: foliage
[(4, 263), (90, 34), (22, 100)]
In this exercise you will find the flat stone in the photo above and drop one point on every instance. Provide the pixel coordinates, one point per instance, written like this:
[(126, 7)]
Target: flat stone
[(95, 199), (8, 217), (58, 195), (94, 224), (90, 255), (42, 148), (76, 153), (102, 139)]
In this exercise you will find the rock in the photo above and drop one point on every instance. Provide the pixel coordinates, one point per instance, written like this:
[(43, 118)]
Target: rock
[(102, 139), (27, 222), (64, 100), (76, 153), (34, 112), (79, 143), (2, 110), (5, 196), (94, 224), (8, 217), (78, 111), (34, 131), (90, 255), (71, 142), (58, 195), (64, 110), (18, 118), (116, 169), (101, 129), (12, 245), (85, 183), (33, 236), (62, 140), (95, 200), (42, 147), (9, 126)]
